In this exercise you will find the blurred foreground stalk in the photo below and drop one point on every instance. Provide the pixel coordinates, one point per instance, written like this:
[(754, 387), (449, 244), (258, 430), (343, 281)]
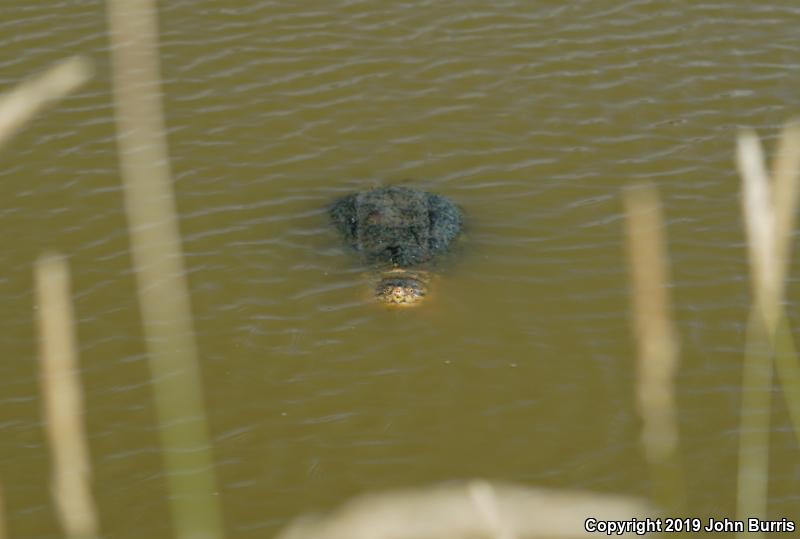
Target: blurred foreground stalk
[(61, 388), (19, 105), (769, 208), (63, 399), (156, 249), (474, 509), (657, 344)]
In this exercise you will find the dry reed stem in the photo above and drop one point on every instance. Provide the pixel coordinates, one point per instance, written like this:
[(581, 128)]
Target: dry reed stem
[(786, 175), (19, 105), (450, 512), (757, 207), (769, 221), (657, 344), (785, 172), (162, 288), (655, 334), (754, 428), (758, 212), (63, 399), (786, 364)]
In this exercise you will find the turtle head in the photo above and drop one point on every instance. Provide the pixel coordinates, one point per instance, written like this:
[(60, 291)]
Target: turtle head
[(400, 288)]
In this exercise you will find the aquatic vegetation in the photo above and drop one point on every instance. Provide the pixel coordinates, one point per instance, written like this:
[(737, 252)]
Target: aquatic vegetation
[(18, 106), (769, 206), (63, 399), (62, 394), (158, 264), (657, 342)]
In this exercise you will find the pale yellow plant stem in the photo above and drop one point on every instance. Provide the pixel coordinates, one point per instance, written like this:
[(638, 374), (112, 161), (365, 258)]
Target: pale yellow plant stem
[(63, 399), (768, 207), (19, 105), (657, 342)]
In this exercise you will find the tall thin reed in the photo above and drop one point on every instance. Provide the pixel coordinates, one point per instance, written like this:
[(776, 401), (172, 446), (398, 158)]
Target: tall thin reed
[(19, 105), (63, 399), (786, 174), (759, 215), (786, 171), (753, 474), (162, 288), (657, 343), (768, 207), (754, 427)]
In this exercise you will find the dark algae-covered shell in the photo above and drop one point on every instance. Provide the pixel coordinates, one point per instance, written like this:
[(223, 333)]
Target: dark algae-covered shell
[(398, 228)]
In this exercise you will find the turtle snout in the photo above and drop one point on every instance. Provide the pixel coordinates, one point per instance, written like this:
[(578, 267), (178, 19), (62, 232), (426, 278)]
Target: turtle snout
[(397, 291)]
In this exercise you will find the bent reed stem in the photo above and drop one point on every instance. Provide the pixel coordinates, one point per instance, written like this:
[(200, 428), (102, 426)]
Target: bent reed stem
[(768, 206), (20, 105)]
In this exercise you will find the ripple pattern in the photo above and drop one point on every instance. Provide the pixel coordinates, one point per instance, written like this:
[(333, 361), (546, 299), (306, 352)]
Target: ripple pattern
[(532, 117)]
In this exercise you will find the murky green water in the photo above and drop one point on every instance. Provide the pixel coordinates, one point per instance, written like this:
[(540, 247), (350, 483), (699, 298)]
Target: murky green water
[(532, 116)]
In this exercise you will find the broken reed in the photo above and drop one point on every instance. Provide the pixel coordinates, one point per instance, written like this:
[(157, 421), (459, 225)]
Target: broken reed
[(18, 106), (158, 263), (657, 344)]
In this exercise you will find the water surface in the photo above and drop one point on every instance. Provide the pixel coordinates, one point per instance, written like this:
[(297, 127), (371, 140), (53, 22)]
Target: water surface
[(531, 116)]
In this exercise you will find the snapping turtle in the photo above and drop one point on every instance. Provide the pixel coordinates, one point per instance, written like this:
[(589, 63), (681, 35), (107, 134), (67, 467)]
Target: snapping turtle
[(400, 231)]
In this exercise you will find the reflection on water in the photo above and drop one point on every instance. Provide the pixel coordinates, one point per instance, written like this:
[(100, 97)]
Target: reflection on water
[(531, 118)]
